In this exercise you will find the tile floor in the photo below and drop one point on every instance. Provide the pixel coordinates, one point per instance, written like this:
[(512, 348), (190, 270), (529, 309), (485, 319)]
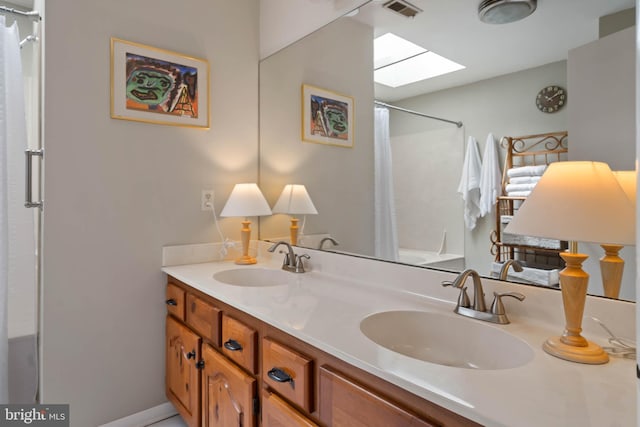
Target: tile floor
[(174, 421)]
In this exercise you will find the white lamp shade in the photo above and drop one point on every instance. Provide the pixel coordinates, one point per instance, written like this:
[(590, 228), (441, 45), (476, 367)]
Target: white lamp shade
[(577, 201), (294, 199), (246, 200), (627, 180)]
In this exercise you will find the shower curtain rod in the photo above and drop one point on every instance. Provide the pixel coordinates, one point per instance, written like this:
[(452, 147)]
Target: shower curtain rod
[(393, 107), (33, 14)]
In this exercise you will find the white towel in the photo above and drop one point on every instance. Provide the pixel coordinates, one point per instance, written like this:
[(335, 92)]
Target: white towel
[(469, 185), (509, 188), (526, 171), (524, 179), (490, 177), (518, 193)]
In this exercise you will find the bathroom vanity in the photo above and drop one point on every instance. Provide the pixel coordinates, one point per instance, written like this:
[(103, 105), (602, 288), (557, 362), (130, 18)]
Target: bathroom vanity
[(258, 346)]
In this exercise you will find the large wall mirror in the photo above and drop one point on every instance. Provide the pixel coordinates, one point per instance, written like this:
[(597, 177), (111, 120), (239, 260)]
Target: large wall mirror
[(585, 47)]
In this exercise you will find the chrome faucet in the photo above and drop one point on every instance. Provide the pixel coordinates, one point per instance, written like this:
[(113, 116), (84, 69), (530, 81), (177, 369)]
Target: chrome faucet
[(291, 262), (327, 239), (504, 271), (479, 310)]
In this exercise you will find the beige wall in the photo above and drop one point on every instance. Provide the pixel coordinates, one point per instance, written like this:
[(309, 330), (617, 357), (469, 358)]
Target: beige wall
[(338, 179), (282, 22), (117, 191), (504, 106)]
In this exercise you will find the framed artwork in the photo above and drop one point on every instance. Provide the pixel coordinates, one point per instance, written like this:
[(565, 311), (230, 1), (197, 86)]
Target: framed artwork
[(327, 117), (154, 85)]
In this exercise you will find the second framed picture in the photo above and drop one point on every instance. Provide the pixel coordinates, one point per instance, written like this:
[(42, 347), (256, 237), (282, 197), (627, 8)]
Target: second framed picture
[(327, 117)]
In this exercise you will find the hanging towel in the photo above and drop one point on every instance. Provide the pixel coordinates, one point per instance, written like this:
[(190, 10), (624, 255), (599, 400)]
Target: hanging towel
[(490, 177), (469, 185)]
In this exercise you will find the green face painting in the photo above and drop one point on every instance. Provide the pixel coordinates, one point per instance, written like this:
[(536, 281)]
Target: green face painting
[(149, 86), (336, 120)]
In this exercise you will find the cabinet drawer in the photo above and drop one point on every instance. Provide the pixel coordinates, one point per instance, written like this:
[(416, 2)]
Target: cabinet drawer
[(277, 413), (204, 318), (239, 343), (345, 403), (288, 373), (175, 301)]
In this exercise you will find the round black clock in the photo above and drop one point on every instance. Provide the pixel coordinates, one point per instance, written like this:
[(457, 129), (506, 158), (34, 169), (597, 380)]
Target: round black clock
[(551, 98)]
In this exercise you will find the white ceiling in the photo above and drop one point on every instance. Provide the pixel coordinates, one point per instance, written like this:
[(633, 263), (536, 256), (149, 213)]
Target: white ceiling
[(451, 28)]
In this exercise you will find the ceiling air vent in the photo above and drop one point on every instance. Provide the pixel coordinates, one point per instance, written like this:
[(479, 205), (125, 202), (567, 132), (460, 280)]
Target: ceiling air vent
[(402, 7)]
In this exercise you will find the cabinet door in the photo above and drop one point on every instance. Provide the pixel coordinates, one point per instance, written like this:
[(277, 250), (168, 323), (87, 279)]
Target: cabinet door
[(277, 413), (182, 380), (344, 403), (228, 393)]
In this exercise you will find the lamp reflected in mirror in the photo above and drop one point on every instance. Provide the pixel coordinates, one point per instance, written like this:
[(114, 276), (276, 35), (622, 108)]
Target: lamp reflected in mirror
[(611, 264), (246, 200), (294, 200), (576, 202)]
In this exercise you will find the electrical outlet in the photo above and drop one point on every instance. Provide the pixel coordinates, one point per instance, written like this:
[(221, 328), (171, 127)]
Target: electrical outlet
[(206, 200)]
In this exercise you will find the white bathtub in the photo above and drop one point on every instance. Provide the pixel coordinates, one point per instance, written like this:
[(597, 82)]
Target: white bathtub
[(431, 259)]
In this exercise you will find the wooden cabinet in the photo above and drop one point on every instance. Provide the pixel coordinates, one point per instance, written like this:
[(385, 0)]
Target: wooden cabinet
[(277, 413), (347, 404), (204, 318), (287, 372), (182, 378), (228, 393), (226, 368), (239, 343)]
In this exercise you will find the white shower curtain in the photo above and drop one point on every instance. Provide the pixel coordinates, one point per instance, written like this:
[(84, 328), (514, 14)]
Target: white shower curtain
[(386, 238), (17, 245)]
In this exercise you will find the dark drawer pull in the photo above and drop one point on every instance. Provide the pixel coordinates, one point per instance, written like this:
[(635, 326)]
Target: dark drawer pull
[(172, 302), (232, 345), (191, 354), (280, 376)]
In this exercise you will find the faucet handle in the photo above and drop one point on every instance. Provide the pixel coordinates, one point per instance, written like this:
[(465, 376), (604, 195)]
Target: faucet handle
[(463, 298), (497, 307), (300, 264)]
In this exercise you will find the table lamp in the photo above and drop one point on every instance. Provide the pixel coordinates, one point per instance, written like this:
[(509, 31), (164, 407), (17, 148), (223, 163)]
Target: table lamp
[(294, 200), (611, 265), (576, 201), (246, 200)]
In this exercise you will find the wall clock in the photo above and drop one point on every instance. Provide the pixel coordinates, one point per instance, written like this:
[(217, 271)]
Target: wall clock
[(551, 98)]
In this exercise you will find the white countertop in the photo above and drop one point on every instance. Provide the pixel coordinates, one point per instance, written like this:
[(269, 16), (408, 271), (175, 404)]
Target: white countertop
[(324, 309)]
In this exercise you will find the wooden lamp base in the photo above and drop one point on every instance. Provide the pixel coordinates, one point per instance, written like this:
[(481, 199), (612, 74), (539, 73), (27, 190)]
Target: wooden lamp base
[(571, 345), (245, 237), (592, 354), (293, 231), (611, 268)]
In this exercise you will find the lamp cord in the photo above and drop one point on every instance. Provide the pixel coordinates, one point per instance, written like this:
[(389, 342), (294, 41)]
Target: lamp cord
[(226, 243)]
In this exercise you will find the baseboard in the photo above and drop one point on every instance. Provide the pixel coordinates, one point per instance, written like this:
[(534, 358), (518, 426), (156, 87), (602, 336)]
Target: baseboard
[(146, 417)]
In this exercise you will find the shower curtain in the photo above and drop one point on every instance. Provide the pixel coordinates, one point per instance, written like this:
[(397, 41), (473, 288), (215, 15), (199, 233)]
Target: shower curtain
[(17, 242), (385, 239)]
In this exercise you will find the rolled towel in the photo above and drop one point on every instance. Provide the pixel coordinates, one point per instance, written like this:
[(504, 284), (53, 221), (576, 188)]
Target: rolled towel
[(519, 187), (527, 171), (518, 193), (524, 179)]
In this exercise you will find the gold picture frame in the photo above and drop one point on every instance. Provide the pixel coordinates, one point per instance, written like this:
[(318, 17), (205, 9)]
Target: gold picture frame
[(153, 85), (327, 117)]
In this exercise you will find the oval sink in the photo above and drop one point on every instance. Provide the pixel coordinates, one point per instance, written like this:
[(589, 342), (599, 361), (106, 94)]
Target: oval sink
[(253, 277), (449, 340)]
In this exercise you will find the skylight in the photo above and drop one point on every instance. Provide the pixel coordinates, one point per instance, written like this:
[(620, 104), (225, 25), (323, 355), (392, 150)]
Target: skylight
[(398, 62)]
